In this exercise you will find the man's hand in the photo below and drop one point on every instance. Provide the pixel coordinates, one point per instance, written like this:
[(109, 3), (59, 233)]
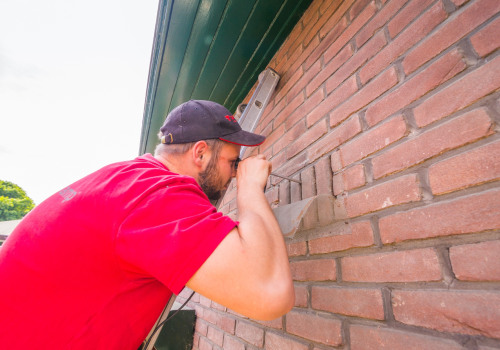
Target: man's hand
[(253, 171)]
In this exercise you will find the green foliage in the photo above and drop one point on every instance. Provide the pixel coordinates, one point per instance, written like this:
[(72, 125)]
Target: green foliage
[(14, 203)]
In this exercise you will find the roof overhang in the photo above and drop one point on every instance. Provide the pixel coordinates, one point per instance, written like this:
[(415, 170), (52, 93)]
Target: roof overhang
[(211, 50)]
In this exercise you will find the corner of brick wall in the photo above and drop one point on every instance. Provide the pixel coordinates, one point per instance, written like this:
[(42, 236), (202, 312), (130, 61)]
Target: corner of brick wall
[(393, 107)]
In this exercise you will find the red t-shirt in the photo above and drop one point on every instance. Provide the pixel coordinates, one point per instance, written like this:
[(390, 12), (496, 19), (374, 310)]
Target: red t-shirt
[(93, 266)]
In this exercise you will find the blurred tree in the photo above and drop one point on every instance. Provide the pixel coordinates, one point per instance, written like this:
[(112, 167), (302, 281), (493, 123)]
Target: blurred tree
[(14, 202)]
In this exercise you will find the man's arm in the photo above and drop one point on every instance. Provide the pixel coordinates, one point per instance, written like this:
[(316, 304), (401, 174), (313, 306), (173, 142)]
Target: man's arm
[(249, 271)]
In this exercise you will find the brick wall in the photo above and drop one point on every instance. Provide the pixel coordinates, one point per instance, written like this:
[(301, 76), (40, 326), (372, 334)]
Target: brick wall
[(393, 107)]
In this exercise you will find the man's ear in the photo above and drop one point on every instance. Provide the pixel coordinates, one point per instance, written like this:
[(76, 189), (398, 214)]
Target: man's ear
[(199, 153)]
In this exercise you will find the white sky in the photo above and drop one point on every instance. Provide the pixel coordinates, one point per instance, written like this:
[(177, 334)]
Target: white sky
[(73, 78)]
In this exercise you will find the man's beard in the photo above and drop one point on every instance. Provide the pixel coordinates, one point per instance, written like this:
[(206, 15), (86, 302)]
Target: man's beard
[(210, 181)]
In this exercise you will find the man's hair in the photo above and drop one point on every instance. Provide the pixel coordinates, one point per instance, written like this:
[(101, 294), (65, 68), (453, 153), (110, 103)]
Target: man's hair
[(180, 148)]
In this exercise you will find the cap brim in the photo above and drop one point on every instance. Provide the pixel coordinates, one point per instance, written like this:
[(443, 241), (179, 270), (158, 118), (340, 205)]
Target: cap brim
[(244, 138)]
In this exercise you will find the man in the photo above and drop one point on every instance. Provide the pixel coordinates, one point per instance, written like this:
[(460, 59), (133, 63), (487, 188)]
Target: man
[(93, 266)]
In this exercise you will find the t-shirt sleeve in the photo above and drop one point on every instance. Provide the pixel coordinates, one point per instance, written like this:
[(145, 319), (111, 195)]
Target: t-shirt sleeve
[(171, 234)]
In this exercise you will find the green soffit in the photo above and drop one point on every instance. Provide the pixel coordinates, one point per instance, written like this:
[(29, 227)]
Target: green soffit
[(211, 50)]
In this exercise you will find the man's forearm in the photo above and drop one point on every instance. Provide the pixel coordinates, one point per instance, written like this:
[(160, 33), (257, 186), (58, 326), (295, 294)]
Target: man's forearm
[(261, 234)]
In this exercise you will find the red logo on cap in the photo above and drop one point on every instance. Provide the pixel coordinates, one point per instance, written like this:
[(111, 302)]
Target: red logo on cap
[(231, 118)]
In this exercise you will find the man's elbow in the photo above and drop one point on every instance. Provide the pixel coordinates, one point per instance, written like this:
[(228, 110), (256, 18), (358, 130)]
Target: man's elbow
[(279, 301)]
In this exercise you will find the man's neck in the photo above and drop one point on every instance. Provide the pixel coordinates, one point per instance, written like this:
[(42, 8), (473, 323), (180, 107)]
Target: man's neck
[(178, 164)]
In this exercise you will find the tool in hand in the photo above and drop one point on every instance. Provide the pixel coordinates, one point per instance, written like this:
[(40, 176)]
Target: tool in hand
[(237, 161)]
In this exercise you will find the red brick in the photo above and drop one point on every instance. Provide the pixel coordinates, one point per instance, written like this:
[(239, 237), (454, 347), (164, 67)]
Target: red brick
[(336, 161), (404, 189), (227, 324), (412, 10), (292, 166), (367, 94), (323, 174), (201, 327), (268, 153), (290, 83), (304, 109), (439, 72), (415, 32), (316, 328), (280, 59), (276, 323), (459, 2), (325, 6), (296, 249), (329, 69), (288, 109), (272, 196), (210, 316), (453, 30), (330, 38), (286, 74), (366, 303), (464, 215), (308, 183), (290, 136), (361, 56), (277, 159), (224, 209), (314, 270), (284, 193), (378, 21), (466, 312), (217, 306), (232, 343), (476, 262), (298, 60), (185, 293), (335, 138), (356, 24), (312, 13), (205, 301), (250, 333), (484, 347), (379, 338), (457, 132), (467, 169), (487, 40), (229, 196), (301, 295), (357, 7), (275, 135), (278, 342), (348, 236), (458, 95), (345, 91), (233, 206), (373, 140), (204, 344), (306, 139), (333, 24), (270, 114), (402, 266), (215, 335), (338, 184), (330, 13), (349, 179), (305, 79), (292, 40)]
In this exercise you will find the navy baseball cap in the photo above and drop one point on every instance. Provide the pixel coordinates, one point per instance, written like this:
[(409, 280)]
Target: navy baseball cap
[(197, 120)]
